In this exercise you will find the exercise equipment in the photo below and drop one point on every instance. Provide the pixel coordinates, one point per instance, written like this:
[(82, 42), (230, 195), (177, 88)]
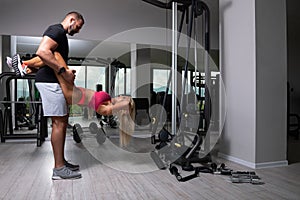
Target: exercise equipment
[(78, 132), (223, 170), (174, 171), (189, 124), (143, 121), (245, 177), (293, 119), (235, 176), (1, 125), (210, 168), (13, 113), (21, 116)]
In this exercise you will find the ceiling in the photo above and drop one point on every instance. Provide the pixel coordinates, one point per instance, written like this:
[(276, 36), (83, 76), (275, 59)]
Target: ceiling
[(78, 48), (97, 52)]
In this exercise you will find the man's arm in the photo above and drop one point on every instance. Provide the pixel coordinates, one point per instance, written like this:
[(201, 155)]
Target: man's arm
[(45, 52)]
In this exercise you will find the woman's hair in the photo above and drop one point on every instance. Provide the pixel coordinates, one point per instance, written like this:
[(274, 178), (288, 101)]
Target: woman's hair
[(127, 123)]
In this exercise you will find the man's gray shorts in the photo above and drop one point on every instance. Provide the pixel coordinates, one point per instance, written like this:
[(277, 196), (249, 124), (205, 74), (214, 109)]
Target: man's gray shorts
[(53, 100)]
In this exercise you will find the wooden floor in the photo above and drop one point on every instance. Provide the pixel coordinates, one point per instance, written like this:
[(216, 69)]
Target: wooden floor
[(25, 173)]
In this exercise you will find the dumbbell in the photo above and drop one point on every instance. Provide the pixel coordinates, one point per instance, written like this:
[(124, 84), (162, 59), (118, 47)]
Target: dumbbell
[(100, 136), (93, 128), (225, 170), (222, 169), (77, 131)]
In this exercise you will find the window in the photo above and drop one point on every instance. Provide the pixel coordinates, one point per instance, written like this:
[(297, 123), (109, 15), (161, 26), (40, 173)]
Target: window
[(88, 77), (122, 82), (160, 80)]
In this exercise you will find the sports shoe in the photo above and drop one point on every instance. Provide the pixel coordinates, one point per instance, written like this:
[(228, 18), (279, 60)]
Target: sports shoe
[(71, 166), (64, 173), (9, 62), (17, 65)]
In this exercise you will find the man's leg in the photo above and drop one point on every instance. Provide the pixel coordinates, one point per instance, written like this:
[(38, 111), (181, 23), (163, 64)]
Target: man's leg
[(54, 106), (58, 135)]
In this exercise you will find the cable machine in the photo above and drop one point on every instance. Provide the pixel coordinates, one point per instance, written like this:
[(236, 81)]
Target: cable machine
[(36, 119), (171, 148)]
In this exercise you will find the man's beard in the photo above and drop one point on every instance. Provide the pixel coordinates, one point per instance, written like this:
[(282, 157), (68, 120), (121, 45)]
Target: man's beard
[(72, 32)]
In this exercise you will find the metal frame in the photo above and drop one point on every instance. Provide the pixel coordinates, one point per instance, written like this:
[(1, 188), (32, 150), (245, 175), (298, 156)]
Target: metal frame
[(42, 130), (197, 8)]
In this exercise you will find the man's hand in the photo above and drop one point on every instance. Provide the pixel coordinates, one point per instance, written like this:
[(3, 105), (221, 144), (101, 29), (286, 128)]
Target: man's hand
[(69, 75)]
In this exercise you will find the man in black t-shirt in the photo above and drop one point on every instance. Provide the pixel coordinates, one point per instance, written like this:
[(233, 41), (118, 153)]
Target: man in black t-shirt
[(53, 101)]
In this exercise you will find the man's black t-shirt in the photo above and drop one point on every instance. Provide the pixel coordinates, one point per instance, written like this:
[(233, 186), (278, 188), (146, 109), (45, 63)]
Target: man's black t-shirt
[(57, 33)]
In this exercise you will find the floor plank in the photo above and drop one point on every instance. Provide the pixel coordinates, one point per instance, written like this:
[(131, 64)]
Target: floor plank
[(26, 171)]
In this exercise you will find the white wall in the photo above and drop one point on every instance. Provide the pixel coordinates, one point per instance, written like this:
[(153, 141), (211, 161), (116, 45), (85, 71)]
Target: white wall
[(253, 61), (237, 24), (271, 79)]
